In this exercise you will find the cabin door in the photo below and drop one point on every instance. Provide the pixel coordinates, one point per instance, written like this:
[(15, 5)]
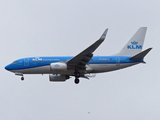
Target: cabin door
[(26, 62), (118, 61)]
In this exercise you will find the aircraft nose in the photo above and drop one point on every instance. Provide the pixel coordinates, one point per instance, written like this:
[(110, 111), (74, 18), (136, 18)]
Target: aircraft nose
[(7, 67)]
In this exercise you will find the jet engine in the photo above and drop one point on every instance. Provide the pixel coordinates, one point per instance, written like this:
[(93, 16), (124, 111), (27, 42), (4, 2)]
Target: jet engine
[(58, 77), (58, 66)]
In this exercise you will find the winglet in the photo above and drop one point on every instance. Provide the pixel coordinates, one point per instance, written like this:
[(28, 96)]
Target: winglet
[(85, 56), (104, 35)]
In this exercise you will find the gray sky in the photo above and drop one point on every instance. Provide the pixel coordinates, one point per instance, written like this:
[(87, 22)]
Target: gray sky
[(66, 27)]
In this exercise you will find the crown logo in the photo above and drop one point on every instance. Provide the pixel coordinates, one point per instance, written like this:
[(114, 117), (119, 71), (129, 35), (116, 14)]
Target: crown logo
[(56, 65), (134, 43)]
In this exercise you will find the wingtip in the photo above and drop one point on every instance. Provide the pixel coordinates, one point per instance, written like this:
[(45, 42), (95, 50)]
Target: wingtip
[(145, 28), (104, 34)]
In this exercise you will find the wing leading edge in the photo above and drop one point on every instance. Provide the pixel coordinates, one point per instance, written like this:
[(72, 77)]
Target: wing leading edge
[(80, 60)]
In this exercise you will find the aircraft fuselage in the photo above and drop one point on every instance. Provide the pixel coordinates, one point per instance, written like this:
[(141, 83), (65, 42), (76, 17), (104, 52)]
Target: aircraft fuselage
[(41, 65)]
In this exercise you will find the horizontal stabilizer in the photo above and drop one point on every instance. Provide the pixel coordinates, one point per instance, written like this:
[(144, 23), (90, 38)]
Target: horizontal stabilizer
[(140, 55)]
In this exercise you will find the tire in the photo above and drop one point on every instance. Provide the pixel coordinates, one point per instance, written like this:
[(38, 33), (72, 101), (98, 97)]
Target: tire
[(76, 81), (22, 78)]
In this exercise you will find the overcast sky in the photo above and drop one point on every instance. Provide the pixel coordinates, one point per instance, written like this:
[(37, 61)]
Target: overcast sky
[(65, 28)]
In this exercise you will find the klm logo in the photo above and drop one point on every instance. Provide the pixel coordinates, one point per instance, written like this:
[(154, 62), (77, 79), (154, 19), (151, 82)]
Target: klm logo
[(56, 65), (134, 45)]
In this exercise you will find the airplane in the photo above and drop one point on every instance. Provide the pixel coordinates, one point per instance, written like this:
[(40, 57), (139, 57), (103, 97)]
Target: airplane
[(84, 64)]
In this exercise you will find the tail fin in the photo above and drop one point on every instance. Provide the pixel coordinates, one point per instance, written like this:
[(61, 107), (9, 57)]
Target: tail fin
[(135, 44), (141, 55)]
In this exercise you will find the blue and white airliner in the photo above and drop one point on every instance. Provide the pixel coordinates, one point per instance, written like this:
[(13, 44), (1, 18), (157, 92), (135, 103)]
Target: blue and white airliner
[(83, 65)]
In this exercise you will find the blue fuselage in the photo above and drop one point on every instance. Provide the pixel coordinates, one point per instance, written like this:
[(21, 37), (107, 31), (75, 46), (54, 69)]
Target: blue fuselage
[(37, 62)]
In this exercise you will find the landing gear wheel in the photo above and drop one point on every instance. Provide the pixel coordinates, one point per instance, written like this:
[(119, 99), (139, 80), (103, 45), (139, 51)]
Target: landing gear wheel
[(76, 81), (22, 78)]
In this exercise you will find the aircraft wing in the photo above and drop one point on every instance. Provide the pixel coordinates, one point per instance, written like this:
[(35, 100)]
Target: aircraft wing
[(80, 60)]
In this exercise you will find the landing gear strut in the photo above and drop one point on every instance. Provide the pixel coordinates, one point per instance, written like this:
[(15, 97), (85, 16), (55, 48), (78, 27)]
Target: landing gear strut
[(22, 78)]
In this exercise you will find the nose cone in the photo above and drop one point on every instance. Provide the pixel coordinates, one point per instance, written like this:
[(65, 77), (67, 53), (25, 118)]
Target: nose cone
[(8, 67)]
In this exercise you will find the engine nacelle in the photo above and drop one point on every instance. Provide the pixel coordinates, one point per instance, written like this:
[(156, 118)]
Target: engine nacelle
[(58, 66), (58, 77)]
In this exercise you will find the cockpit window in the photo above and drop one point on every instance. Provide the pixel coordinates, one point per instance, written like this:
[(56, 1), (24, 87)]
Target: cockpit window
[(15, 62)]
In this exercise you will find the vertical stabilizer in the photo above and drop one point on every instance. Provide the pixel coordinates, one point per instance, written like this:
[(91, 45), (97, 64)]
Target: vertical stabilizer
[(135, 44)]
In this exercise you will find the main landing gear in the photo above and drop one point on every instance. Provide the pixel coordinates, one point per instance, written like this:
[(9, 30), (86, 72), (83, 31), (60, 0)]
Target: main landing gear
[(76, 80), (22, 78), (77, 75)]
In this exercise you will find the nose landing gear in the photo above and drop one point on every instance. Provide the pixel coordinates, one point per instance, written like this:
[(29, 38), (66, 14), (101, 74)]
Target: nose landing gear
[(20, 74)]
